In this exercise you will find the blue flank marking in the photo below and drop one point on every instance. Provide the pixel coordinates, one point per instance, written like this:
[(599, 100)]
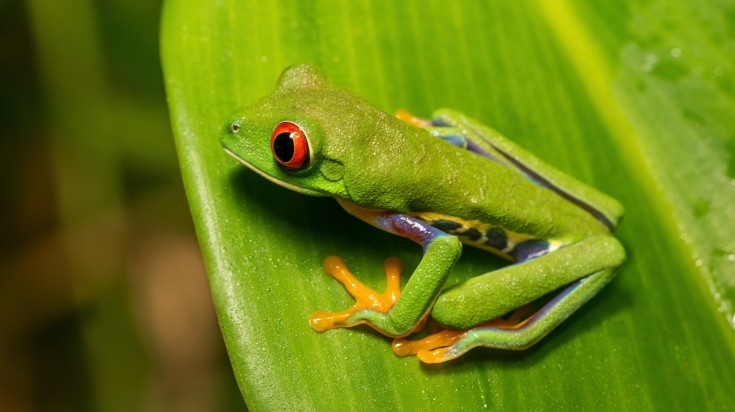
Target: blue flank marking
[(553, 302), (529, 249), (409, 227), (439, 123), (455, 140), (541, 312), (474, 148)]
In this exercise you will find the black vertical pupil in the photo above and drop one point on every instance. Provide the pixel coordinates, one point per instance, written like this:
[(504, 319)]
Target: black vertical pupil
[(283, 147)]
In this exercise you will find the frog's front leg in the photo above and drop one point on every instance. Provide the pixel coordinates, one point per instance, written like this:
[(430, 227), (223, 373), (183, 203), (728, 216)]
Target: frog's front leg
[(470, 309), (441, 251)]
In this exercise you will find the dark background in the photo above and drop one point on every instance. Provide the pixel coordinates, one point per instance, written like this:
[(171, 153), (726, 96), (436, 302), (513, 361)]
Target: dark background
[(104, 303)]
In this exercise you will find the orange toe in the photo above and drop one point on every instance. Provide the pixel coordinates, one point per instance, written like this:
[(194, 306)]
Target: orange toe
[(365, 297)]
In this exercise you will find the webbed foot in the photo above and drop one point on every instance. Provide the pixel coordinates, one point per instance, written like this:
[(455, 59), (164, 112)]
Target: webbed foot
[(365, 297), (450, 344)]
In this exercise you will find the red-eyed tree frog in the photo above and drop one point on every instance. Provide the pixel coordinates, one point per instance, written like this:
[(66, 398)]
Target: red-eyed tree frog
[(439, 182)]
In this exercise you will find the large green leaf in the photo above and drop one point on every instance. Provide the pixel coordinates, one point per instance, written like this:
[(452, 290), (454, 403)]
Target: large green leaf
[(633, 99)]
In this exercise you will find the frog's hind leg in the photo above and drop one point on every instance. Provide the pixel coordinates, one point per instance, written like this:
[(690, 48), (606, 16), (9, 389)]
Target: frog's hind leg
[(450, 344), (454, 136), (495, 293), (412, 119), (491, 144), (450, 135)]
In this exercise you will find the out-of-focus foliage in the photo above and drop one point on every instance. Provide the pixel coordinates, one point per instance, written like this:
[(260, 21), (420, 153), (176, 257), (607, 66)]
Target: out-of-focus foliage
[(103, 300), (632, 97)]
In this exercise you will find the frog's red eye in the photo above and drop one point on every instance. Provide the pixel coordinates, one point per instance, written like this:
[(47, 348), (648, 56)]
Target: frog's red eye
[(289, 145)]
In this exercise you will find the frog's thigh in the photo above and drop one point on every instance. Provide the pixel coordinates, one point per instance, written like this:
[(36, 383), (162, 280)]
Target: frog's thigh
[(451, 135), (521, 337), (493, 294), (471, 142), (542, 322)]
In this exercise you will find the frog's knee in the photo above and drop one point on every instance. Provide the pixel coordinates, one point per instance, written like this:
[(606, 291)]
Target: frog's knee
[(618, 251), (611, 250)]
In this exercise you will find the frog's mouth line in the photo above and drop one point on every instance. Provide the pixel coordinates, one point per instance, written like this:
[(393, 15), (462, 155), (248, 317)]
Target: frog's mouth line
[(281, 183)]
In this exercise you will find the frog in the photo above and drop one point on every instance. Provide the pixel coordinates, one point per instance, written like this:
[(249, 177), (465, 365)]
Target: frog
[(442, 182)]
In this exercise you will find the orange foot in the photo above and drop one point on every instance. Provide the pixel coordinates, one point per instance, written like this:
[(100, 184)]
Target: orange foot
[(411, 119), (365, 297), (431, 349), (437, 348)]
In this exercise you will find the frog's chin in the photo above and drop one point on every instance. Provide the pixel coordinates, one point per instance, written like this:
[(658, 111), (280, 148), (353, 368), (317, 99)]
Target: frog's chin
[(281, 183)]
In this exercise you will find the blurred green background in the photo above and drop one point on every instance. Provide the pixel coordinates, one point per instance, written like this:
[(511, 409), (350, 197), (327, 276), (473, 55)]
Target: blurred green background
[(104, 303)]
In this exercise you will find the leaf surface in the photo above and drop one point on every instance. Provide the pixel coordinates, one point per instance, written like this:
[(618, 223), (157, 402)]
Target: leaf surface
[(634, 99)]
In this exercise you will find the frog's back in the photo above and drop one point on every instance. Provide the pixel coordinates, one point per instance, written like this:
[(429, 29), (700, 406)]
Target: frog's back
[(388, 164), (485, 203)]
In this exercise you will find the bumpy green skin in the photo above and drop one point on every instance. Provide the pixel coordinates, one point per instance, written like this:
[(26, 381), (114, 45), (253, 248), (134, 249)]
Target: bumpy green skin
[(376, 161)]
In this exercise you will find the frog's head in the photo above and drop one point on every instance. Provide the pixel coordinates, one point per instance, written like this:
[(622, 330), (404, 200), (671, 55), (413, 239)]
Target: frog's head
[(299, 136)]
